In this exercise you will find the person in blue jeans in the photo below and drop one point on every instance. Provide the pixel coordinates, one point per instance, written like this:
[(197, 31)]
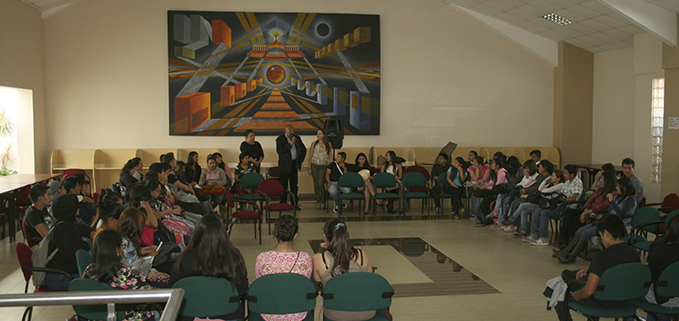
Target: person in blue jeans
[(549, 187), (570, 192), (332, 176)]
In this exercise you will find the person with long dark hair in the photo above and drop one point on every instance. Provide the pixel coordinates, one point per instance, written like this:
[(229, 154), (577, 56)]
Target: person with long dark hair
[(211, 253), (127, 178), (109, 269), (284, 259), (622, 204), (664, 251), (392, 165), (321, 154), (574, 218), (193, 169), (340, 257), (456, 177), (363, 168), (252, 148)]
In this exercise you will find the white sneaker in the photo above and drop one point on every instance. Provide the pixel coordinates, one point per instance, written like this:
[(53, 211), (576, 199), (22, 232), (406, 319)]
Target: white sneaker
[(530, 239), (509, 228), (335, 208), (539, 242)]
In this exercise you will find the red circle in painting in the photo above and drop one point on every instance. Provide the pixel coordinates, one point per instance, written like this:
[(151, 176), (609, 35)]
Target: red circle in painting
[(275, 74)]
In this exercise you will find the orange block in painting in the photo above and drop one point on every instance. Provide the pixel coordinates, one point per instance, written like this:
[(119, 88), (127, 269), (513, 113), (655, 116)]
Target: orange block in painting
[(191, 111), (252, 85), (260, 81), (241, 90), (227, 95), (221, 33)]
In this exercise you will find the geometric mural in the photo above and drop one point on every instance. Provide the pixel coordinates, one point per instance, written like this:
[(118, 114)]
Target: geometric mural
[(233, 71)]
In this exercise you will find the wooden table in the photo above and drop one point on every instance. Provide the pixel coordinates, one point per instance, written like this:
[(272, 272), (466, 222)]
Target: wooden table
[(592, 169), (10, 186)]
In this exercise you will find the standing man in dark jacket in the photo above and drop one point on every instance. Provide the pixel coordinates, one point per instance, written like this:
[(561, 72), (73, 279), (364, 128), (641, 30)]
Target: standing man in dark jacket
[(291, 152)]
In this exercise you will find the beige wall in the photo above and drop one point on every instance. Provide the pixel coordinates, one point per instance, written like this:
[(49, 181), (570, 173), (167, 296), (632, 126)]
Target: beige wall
[(670, 175), (573, 91), (614, 105), (22, 64), (444, 76)]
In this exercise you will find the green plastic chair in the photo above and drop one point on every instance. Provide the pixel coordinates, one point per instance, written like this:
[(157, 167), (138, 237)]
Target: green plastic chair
[(283, 293), (637, 280), (384, 181), (667, 285), (251, 181), (416, 180), (207, 297), (641, 243), (645, 220), (358, 291), (351, 180), (83, 258), (94, 312)]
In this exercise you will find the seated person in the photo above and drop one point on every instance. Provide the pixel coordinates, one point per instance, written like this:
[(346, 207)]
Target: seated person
[(222, 165), (108, 217), (441, 167), (73, 185), (455, 176), (622, 204), (132, 226), (596, 203), (245, 166), (549, 188), (213, 176), (362, 167), (338, 258), (392, 165), (597, 178), (479, 174), (67, 237), (284, 259), (530, 175), (612, 231), (190, 203), (37, 220), (536, 156), (211, 253), (172, 177), (127, 173), (570, 192), (663, 252), (332, 175), (628, 170), (108, 268)]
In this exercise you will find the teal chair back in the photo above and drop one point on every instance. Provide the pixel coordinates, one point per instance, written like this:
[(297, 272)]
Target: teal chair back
[(668, 282), (358, 291), (351, 180), (646, 214), (94, 312), (83, 258), (384, 180), (281, 294), (207, 297), (251, 180), (414, 180), (637, 280)]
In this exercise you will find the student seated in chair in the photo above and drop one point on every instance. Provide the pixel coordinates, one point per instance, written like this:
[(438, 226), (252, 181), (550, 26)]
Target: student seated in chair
[(37, 220), (332, 176), (74, 186), (612, 231)]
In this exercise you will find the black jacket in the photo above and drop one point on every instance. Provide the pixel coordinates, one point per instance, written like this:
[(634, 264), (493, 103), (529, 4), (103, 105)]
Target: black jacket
[(283, 148)]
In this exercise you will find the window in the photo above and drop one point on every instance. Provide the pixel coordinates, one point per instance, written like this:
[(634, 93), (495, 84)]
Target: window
[(657, 120)]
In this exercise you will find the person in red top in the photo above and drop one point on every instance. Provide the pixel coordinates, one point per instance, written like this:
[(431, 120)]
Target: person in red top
[(572, 218)]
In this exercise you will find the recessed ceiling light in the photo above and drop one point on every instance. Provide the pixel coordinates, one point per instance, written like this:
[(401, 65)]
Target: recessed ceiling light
[(553, 17)]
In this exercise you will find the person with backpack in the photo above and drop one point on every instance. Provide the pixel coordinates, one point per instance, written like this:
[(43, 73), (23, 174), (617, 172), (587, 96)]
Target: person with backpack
[(66, 238)]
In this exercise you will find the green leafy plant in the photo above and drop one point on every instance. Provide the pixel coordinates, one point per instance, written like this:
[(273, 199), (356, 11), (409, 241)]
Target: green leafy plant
[(4, 171), (7, 127)]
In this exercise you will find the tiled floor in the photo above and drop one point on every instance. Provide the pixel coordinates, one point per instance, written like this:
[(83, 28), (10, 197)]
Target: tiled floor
[(441, 269)]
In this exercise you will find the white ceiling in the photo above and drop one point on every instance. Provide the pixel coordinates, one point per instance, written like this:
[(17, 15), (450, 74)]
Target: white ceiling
[(596, 27)]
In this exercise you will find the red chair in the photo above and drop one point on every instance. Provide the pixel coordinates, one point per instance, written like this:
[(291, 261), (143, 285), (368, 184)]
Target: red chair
[(72, 171), (243, 215), (21, 205), (423, 171), (24, 255), (669, 203), (273, 188), (32, 240), (273, 173)]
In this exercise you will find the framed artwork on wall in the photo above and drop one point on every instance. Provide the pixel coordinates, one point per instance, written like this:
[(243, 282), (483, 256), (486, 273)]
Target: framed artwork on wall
[(233, 71)]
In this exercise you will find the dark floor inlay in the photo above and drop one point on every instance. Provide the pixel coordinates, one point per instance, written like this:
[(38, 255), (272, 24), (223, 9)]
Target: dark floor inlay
[(449, 277)]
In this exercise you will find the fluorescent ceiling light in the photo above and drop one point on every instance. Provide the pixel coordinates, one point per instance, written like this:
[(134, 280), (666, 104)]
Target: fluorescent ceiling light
[(553, 17)]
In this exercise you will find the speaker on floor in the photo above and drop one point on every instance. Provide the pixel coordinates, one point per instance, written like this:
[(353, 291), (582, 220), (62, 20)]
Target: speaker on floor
[(335, 132)]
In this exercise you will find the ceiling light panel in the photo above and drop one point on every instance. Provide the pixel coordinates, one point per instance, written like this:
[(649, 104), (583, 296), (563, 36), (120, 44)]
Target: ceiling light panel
[(553, 17)]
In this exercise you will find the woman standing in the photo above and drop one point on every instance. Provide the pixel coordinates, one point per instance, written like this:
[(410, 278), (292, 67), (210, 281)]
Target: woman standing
[(252, 148), (321, 151), (340, 257), (284, 259), (211, 253)]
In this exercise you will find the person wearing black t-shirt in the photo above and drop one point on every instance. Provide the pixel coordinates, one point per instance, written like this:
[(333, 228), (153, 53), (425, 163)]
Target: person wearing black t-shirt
[(612, 232), (245, 166), (332, 175), (37, 220), (441, 167), (252, 148)]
